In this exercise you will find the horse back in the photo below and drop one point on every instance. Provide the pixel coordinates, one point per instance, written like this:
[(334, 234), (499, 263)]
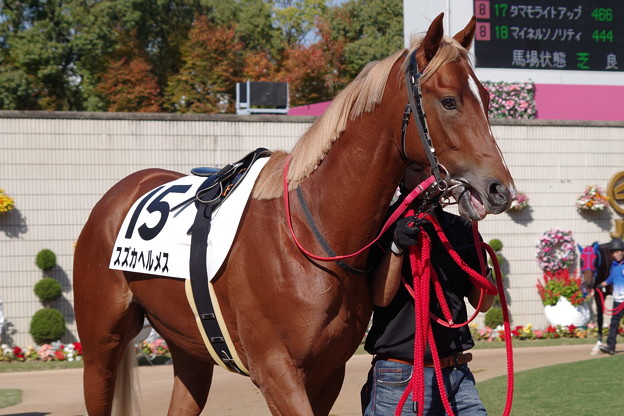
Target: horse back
[(115, 203)]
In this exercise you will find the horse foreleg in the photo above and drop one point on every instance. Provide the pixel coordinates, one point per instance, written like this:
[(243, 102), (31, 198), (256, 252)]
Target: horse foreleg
[(599, 314), (282, 386), (192, 379), (324, 398)]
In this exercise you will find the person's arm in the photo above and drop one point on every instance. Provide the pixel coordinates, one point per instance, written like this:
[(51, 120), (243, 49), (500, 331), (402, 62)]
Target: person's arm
[(607, 282), (475, 294), (386, 279)]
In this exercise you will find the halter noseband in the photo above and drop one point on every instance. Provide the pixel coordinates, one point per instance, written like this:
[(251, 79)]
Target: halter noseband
[(414, 105)]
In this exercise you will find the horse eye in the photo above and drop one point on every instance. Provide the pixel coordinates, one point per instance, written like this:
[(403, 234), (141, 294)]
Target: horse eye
[(449, 103)]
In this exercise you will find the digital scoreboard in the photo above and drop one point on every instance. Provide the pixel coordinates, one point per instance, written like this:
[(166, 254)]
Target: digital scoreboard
[(581, 35)]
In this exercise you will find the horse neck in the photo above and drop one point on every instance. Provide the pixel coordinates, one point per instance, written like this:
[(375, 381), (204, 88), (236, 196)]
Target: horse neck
[(350, 192), (605, 263)]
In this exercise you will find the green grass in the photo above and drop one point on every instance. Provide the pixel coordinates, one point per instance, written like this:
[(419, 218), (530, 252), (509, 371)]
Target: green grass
[(38, 365), (591, 387), (10, 397)]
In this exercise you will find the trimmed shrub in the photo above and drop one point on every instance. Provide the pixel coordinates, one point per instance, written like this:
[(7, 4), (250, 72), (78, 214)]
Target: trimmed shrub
[(48, 289), (46, 259), (47, 325), (493, 317), (496, 244)]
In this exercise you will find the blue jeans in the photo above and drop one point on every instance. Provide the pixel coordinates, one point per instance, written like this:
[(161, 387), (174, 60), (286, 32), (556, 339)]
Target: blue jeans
[(615, 325), (387, 380)]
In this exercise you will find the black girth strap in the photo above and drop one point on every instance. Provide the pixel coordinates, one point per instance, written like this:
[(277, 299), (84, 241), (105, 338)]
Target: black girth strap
[(199, 283), (209, 196)]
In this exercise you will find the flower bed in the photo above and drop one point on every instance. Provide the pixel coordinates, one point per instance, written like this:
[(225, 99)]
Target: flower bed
[(515, 100), (70, 352), (527, 332), (46, 352)]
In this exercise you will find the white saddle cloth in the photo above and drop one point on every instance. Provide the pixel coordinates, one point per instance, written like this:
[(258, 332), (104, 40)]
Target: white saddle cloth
[(155, 240)]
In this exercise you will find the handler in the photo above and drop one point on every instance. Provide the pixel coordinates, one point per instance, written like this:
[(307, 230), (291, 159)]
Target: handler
[(391, 337), (616, 278)]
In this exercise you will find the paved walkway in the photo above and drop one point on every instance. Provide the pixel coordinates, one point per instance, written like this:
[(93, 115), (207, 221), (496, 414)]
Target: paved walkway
[(59, 392)]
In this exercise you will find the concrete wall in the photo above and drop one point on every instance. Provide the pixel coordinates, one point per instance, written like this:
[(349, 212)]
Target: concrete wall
[(57, 165)]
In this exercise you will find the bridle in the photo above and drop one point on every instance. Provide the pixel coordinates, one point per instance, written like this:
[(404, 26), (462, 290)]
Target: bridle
[(414, 106)]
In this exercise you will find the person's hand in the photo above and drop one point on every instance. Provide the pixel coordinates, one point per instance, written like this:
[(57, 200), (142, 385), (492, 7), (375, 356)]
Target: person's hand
[(405, 235)]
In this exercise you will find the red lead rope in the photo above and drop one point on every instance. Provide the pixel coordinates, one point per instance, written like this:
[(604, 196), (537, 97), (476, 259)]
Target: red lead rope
[(423, 276), (606, 310), (421, 266), (395, 215)]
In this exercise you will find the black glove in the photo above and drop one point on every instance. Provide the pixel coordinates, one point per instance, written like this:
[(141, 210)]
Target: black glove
[(405, 234)]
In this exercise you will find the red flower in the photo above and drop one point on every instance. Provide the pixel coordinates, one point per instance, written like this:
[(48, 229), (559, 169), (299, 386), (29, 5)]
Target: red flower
[(18, 353), (78, 348)]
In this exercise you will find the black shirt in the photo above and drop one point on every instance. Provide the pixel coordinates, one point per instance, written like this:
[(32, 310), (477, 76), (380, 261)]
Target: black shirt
[(392, 331)]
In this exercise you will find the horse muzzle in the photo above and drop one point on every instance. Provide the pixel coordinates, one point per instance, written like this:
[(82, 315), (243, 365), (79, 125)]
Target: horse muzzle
[(475, 205)]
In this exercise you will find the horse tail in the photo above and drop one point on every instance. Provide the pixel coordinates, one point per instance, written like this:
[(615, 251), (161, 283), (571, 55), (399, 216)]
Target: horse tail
[(126, 384)]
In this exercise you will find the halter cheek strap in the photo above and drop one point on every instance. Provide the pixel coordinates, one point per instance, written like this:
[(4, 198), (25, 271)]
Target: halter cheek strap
[(415, 107)]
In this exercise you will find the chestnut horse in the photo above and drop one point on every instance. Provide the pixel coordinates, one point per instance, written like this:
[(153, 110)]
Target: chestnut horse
[(595, 262), (294, 321)]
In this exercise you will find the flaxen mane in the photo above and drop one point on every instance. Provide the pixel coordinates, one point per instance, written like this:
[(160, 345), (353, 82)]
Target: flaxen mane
[(360, 96)]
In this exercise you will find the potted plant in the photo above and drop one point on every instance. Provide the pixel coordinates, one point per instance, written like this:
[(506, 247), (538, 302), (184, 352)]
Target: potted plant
[(6, 202), (592, 199), (563, 299), (519, 202)]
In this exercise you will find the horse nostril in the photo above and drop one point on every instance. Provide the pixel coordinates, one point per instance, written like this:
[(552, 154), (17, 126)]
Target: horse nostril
[(499, 195)]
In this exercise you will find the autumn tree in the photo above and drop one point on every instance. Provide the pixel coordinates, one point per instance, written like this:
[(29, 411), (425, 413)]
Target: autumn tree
[(212, 65), (68, 54), (129, 86)]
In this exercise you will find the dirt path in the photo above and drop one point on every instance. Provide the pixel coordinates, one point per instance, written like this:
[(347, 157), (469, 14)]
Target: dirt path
[(59, 392)]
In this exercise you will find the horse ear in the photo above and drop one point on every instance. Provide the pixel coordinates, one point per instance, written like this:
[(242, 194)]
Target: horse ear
[(580, 247), (432, 40), (466, 36)]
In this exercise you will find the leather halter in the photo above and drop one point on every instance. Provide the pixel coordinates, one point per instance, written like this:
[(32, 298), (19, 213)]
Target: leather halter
[(415, 107)]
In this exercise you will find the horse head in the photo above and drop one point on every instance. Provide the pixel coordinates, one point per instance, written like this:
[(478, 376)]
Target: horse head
[(589, 262), (456, 108)]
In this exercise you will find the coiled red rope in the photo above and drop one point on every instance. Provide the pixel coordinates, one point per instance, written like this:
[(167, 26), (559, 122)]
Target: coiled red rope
[(421, 267), (423, 277)]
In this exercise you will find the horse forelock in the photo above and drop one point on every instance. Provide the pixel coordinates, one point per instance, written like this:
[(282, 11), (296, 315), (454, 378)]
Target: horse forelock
[(448, 51), (362, 95)]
